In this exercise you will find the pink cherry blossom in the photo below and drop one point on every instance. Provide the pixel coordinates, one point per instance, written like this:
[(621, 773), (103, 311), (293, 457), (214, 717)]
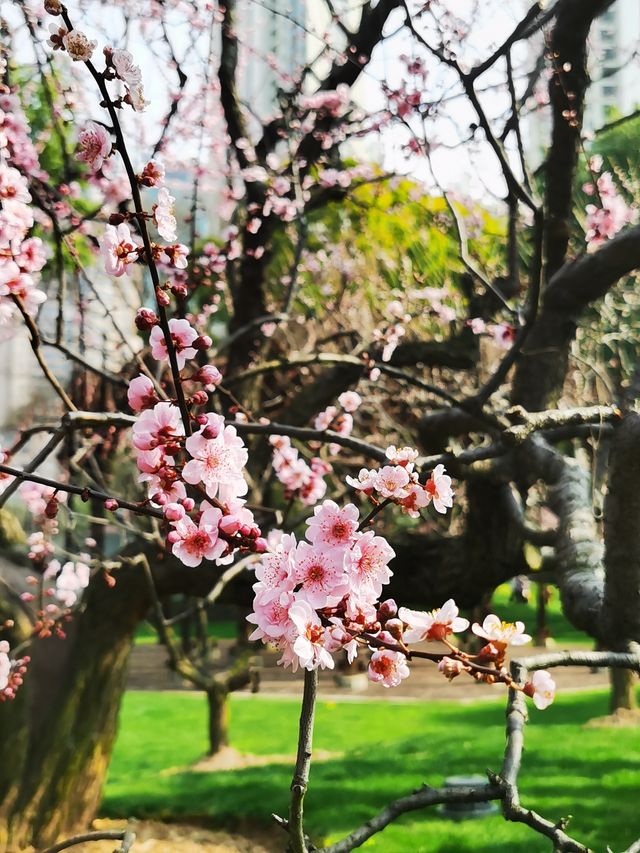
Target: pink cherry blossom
[(5, 664), (543, 689), (163, 215), (477, 325), (271, 615), (118, 249), (36, 496), (324, 419), (176, 254), (193, 543), (391, 481), (275, 570), (332, 526), (31, 255), (388, 668), (137, 99), (311, 635), (503, 334), (321, 573), (125, 67), (94, 145), (365, 481), (417, 498), (72, 579), (368, 569), (404, 456), (182, 334), (350, 401), (499, 632), (438, 487), (218, 458), (78, 46), (157, 426), (141, 394), (434, 625)]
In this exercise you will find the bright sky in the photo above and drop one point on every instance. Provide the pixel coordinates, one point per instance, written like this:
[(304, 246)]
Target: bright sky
[(471, 168)]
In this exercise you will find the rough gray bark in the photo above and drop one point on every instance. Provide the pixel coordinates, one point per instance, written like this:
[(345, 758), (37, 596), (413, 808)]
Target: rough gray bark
[(621, 608)]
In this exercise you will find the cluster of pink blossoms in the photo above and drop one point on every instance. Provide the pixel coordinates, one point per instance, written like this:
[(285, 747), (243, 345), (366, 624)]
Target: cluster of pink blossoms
[(21, 256), (399, 483), (211, 460), (11, 672), (339, 420), (301, 480), (120, 249), (313, 598), (321, 596), (606, 219)]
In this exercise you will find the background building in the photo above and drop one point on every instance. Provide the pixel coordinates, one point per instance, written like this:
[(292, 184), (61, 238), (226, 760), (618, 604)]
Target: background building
[(614, 68)]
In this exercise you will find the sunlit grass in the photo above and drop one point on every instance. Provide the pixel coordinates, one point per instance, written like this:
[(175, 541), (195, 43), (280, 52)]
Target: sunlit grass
[(389, 749)]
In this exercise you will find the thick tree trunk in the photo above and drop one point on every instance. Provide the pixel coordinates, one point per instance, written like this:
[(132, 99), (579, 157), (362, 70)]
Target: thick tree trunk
[(58, 735), (218, 705), (624, 684)]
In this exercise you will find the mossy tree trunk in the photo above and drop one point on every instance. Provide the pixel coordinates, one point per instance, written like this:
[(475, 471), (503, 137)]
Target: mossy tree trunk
[(624, 684), (57, 736), (218, 719)]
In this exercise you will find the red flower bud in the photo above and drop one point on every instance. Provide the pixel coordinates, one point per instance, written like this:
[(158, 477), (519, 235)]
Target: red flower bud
[(51, 509), (180, 290), (202, 342), (146, 319), (162, 297)]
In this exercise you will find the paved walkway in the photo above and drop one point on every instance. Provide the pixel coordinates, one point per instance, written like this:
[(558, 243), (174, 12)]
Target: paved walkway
[(148, 671)]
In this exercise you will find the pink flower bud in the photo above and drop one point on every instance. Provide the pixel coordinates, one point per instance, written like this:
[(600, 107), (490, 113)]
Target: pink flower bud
[(188, 504), (180, 290), (199, 398), (27, 596), (174, 512), (162, 297), (210, 431), (450, 668), (160, 498), (260, 545), (229, 525), (111, 504), (387, 610), (395, 627), (173, 537), (209, 375), (202, 342)]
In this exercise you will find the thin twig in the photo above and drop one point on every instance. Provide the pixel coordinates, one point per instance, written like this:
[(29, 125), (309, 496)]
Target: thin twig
[(300, 781), (126, 837)]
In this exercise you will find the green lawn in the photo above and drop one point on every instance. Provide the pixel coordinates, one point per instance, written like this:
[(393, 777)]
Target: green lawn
[(222, 630), (593, 774), (562, 632)]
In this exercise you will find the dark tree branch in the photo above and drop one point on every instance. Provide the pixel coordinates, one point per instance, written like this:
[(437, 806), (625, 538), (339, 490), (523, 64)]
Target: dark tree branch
[(621, 606), (567, 88)]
